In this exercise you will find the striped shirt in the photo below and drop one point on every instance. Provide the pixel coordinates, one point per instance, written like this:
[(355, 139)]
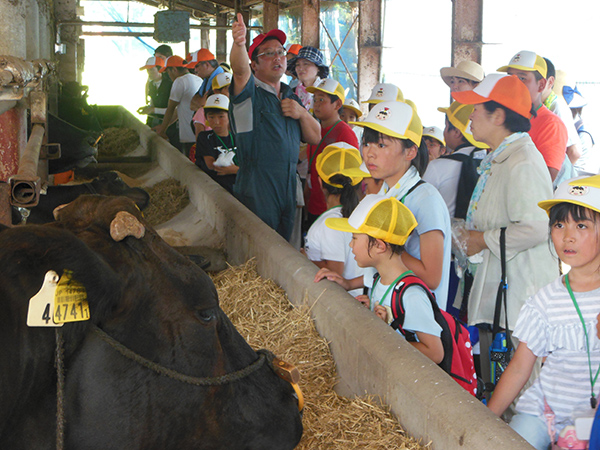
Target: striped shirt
[(550, 325)]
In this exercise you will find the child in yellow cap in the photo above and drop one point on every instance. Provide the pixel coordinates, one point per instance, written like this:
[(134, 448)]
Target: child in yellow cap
[(380, 227), (326, 247), (393, 151), (558, 323)]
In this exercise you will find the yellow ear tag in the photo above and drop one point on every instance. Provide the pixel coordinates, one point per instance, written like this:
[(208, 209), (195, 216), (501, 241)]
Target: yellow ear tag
[(41, 305), (70, 300)]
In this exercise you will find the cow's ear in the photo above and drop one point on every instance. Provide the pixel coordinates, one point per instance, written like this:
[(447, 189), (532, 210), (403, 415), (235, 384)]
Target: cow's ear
[(126, 224), (56, 211)]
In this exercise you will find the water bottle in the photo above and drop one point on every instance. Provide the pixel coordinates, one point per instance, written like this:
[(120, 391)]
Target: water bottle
[(499, 356)]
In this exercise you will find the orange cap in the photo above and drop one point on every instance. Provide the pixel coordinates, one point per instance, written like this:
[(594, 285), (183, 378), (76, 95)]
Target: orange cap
[(294, 49), (173, 61), (199, 56), (507, 90)]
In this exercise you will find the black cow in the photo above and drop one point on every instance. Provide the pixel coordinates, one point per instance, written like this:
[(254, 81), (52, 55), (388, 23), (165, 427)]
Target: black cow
[(107, 183), (157, 304)]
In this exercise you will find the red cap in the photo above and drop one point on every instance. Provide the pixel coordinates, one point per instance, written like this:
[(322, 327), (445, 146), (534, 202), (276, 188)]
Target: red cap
[(280, 35), (201, 55), (173, 61), (507, 90)]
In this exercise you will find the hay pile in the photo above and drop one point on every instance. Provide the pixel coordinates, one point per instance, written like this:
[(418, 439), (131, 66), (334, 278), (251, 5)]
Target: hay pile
[(167, 199), (263, 315), (118, 142)]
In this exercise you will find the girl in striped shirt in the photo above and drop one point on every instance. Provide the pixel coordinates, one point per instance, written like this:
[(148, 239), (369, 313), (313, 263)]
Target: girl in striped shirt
[(559, 323)]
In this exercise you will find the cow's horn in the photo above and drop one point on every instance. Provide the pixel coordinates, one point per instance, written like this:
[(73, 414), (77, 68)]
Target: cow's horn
[(56, 210), (126, 224)]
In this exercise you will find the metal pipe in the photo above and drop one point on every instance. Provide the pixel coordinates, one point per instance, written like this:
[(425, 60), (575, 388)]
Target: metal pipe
[(141, 25), (25, 185)]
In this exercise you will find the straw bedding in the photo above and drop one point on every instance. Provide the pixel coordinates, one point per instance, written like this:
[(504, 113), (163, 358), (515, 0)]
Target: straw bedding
[(263, 315), (167, 199), (118, 141)]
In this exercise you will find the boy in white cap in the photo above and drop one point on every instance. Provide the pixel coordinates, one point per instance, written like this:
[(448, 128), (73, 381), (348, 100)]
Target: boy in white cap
[(394, 152), (351, 112), (464, 77), (548, 133), (220, 85), (380, 227), (587, 163), (329, 97), (215, 149), (434, 139)]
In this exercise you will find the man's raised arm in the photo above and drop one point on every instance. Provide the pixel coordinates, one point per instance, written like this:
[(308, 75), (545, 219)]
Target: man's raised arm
[(239, 56)]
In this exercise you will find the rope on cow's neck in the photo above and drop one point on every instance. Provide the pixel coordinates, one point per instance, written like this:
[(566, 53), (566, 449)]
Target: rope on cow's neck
[(263, 355), (60, 389)]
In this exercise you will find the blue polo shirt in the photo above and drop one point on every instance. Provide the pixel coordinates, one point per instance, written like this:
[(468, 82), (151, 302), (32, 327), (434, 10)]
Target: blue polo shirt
[(268, 145)]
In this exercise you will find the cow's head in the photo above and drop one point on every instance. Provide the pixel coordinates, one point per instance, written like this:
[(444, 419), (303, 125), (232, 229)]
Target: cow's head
[(169, 313)]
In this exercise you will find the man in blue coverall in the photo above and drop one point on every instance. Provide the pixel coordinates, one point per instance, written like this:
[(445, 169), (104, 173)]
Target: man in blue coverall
[(269, 121)]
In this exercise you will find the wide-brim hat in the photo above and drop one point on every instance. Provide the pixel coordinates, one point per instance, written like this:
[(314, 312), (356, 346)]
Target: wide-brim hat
[(385, 92), (313, 55), (217, 101), (173, 61), (435, 133), (459, 116), (384, 218), (507, 90), (352, 104), (337, 159), (154, 61), (528, 62), (329, 86), (222, 80), (465, 69), (395, 119), (583, 191), (278, 34)]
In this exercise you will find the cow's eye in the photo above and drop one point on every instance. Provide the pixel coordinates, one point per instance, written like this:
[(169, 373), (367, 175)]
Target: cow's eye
[(206, 315)]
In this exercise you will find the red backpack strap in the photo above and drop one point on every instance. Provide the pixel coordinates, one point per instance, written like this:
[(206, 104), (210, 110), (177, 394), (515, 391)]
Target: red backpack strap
[(397, 304)]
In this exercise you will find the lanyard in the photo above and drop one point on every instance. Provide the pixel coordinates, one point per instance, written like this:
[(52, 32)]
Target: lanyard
[(232, 142), (312, 157), (389, 287), (593, 400)]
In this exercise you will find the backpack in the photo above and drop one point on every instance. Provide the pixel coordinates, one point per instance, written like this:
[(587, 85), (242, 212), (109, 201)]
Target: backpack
[(466, 181), (458, 352)]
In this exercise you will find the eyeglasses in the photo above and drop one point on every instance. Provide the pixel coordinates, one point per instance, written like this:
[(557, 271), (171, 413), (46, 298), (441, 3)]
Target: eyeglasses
[(272, 53)]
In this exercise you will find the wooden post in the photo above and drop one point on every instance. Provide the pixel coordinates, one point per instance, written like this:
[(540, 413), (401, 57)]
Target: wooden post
[(369, 46), (270, 15), (310, 22), (222, 38), (467, 24)]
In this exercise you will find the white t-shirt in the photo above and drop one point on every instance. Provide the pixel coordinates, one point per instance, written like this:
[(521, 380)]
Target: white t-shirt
[(182, 91), (324, 243), (417, 306), (550, 325), (444, 174)]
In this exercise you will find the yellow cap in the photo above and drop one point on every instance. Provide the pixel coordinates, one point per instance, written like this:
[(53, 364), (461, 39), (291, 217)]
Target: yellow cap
[(384, 218), (385, 92), (329, 86), (458, 115), (395, 119), (527, 61), (336, 159), (583, 191)]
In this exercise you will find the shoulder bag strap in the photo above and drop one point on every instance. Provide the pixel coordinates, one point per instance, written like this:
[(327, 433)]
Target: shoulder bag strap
[(502, 288)]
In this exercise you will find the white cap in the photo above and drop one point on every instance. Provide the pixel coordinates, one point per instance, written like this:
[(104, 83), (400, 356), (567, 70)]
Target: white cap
[(217, 101)]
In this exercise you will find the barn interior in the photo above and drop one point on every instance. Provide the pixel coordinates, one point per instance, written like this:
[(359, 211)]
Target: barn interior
[(42, 65)]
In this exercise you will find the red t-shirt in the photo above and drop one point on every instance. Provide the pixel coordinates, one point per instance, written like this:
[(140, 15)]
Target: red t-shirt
[(549, 134), (340, 132)]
